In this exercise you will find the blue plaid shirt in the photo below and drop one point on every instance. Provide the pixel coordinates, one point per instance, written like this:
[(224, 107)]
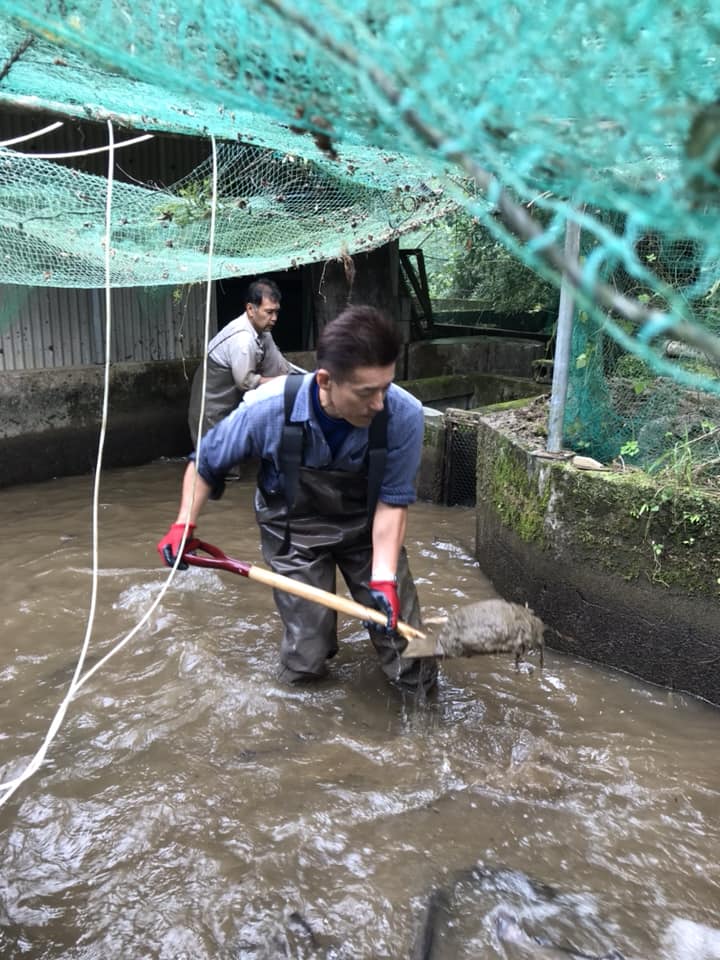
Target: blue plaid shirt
[(255, 427)]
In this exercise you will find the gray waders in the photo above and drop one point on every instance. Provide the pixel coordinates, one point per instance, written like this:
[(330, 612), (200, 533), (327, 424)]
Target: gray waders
[(329, 531), (221, 397)]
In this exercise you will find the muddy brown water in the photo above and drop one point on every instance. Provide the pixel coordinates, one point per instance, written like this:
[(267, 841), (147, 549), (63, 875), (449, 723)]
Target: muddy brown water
[(192, 807)]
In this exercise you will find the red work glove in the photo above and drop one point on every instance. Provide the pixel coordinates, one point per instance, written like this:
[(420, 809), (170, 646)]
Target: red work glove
[(169, 546), (385, 597)]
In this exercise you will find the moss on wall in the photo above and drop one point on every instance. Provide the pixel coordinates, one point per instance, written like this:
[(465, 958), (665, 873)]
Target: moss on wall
[(624, 524), (666, 533), (519, 496)]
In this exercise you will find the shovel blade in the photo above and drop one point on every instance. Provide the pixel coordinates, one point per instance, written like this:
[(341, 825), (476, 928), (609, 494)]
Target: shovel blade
[(426, 646)]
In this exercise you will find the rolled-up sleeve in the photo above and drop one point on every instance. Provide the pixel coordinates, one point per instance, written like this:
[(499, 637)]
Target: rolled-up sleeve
[(227, 443), (251, 430)]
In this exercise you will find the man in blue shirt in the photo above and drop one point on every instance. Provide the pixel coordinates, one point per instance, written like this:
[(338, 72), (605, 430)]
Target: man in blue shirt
[(342, 504)]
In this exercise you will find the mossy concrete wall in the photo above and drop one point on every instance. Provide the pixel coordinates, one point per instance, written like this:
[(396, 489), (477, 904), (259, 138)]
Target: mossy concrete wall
[(465, 391), (430, 479), (619, 573)]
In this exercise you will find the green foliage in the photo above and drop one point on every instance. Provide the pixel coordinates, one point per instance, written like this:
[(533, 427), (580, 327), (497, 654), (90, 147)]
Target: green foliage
[(465, 262), (630, 449), (632, 367), (193, 204), (678, 499), (680, 465)]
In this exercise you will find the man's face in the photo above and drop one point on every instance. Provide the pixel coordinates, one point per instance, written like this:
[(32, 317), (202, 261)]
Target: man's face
[(359, 398), (265, 316)]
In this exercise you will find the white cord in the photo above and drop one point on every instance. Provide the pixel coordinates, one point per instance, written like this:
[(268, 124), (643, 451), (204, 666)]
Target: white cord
[(72, 153), (10, 786), (166, 585), (84, 153), (31, 136)]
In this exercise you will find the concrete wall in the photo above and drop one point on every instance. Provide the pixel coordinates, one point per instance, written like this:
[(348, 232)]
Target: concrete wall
[(505, 356), (50, 419), (577, 547), (467, 391)]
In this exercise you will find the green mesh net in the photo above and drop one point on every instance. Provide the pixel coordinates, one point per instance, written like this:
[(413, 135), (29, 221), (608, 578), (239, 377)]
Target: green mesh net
[(280, 200), (272, 211), (374, 117)]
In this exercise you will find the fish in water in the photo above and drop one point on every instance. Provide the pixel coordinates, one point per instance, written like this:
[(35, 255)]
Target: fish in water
[(492, 626), (443, 910), (508, 930), (440, 905)]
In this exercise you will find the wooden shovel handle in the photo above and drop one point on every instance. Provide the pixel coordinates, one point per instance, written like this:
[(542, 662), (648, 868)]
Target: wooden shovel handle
[(220, 561)]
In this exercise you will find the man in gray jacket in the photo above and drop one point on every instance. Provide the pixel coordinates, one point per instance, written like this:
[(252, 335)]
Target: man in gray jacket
[(240, 357)]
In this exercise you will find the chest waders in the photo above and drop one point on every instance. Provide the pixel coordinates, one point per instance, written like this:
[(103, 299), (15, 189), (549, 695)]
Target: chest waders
[(222, 395), (321, 523)]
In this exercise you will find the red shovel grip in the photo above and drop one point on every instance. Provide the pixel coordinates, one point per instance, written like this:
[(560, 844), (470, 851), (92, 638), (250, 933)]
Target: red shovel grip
[(217, 559)]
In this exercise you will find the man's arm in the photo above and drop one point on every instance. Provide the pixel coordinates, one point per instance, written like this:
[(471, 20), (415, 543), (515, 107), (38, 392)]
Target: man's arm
[(274, 363), (405, 438), (242, 351), (388, 536), (195, 493)]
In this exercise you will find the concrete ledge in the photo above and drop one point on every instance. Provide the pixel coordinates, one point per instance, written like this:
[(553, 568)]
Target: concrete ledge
[(465, 391), (130, 440), (575, 546), (430, 477), (504, 356), (51, 418)]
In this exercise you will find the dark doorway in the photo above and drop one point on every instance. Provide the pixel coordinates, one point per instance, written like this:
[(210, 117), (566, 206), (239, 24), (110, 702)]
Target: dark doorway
[(294, 329)]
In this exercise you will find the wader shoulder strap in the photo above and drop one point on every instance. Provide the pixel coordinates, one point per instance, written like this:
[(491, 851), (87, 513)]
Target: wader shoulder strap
[(376, 457), (291, 449), (291, 443)]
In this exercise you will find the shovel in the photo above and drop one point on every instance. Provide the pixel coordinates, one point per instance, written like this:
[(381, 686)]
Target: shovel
[(419, 644), (489, 626)]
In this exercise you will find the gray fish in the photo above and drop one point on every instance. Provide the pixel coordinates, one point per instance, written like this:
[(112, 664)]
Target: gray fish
[(508, 930), (441, 911)]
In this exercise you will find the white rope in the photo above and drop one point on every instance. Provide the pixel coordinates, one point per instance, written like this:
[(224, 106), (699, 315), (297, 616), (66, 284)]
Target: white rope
[(31, 136), (85, 153), (10, 786), (166, 585), (71, 153)]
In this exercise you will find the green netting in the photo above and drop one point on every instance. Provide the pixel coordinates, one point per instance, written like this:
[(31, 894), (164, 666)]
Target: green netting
[(272, 211), (528, 114), (280, 201), (642, 402)]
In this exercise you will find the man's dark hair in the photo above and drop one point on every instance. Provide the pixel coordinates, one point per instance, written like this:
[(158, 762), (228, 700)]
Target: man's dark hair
[(358, 337), (263, 287)]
